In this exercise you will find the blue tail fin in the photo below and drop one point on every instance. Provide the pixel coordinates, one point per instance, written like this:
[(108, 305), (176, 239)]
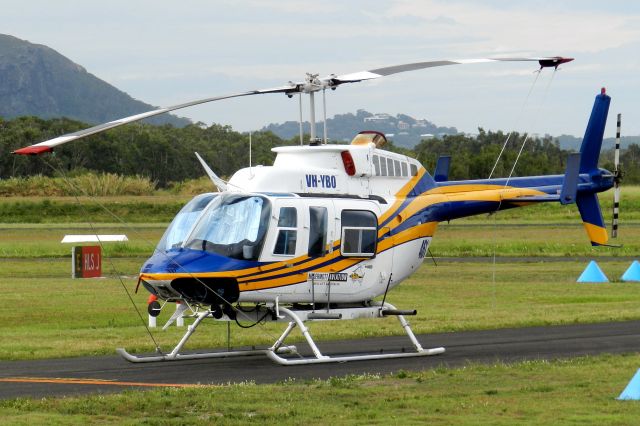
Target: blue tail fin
[(592, 218), (592, 142), (590, 152)]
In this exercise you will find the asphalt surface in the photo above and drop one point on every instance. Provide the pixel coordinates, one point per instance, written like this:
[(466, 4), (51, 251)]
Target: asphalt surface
[(72, 376)]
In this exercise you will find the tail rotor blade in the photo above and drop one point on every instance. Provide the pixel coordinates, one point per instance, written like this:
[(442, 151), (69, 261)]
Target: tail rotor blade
[(617, 176), (616, 210)]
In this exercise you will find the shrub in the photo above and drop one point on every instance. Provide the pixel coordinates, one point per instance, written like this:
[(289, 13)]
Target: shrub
[(104, 184)]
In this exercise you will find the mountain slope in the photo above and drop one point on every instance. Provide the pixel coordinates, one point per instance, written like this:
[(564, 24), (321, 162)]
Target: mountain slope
[(37, 80), (403, 130)]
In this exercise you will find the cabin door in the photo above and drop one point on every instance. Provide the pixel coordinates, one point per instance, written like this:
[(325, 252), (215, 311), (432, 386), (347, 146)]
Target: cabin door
[(287, 233)]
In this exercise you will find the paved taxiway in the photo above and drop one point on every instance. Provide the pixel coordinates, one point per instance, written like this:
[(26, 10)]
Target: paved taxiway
[(56, 377)]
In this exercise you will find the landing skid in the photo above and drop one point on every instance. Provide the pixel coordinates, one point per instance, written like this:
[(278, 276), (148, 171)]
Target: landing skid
[(296, 318), (175, 354)]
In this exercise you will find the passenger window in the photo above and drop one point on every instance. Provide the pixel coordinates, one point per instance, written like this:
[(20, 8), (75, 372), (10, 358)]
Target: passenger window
[(376, 165), (404, 169), (359, 233), (317, 230), (414, 170), (396, 163), (288, 218), (390, 166), (383, 166), (287, 234)]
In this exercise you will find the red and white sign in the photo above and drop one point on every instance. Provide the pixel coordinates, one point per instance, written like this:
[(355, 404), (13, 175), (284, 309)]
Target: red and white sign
[(87, 262)]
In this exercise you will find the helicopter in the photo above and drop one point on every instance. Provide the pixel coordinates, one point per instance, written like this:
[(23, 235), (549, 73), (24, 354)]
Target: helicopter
[(328, 229)]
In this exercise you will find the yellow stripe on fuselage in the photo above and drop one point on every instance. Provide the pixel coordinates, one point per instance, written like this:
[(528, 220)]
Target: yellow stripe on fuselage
[(401, 195), (295, 270)]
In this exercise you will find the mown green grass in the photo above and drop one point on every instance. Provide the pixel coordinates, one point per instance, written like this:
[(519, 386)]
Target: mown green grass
[(20, 241), (162, 207), (505, 239), (563, 392), (47, 314), (456, 239)]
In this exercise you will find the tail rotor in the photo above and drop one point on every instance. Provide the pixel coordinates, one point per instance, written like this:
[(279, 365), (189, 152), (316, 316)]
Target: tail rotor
[(617, 177)]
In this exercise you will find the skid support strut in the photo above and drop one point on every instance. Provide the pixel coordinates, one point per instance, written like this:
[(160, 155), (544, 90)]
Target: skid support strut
[(175, 354), (297, 321)]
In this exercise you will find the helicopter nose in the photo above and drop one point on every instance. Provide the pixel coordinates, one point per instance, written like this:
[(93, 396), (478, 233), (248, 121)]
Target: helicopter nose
[(208, 291)]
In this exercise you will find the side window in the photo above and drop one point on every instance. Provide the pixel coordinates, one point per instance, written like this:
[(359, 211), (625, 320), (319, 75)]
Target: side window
[(414, 170), (404, 169), (317, 231), (396, 163), (376, 165), (390, 166), (287, 232), (359, 233), (383, 166)]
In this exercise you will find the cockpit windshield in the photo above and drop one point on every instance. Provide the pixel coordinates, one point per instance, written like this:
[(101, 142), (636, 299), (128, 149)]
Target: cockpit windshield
[(183, 222), (233, 225)]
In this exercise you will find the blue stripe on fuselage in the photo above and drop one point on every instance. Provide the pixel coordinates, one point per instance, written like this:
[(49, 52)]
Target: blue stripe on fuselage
[(193, 261), (423, 185)]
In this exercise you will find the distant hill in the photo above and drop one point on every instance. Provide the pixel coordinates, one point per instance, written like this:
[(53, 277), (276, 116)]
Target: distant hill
[(406, 131), (37, 80), (573, 143), (402, 129)]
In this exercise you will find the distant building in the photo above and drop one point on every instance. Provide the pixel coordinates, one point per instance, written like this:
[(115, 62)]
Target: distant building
[(427, 136), (402, 125), (378, 117)]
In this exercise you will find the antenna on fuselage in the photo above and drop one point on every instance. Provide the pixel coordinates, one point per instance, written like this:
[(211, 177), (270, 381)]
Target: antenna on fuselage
[(300, 120), (250, 169), (219, 183), (324, 111)]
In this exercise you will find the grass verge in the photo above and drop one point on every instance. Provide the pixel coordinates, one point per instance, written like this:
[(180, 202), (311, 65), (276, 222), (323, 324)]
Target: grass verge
[(563, 392), (47, 314), (43, 240)]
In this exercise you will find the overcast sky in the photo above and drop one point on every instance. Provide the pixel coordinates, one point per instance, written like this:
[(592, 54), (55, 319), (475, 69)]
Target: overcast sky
[(166, 53)]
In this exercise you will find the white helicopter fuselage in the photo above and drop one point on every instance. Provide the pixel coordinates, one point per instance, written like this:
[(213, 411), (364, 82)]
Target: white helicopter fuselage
[(327, 235), (318, 172)]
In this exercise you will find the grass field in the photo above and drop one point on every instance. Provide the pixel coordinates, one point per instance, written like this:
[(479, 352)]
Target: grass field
[(162, 207), (456, 239), (567, 392), (47, 314)]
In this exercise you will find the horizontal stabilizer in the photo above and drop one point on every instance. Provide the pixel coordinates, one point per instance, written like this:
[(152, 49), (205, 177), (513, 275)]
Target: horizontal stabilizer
[(570, 183), (534, 199)]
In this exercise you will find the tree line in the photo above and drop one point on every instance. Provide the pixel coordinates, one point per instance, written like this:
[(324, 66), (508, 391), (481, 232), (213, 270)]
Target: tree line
[(165, 153)]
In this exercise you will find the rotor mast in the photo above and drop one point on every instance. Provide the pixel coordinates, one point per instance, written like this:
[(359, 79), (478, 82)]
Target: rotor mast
[(311, 85)]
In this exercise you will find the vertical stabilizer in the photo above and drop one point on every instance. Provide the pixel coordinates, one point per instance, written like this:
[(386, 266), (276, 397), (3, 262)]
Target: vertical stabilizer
[(592, 141), (592, 219)]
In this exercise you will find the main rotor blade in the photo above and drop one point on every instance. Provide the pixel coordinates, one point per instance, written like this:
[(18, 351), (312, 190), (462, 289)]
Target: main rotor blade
[(552, 61), (48, 145), (312, 85)]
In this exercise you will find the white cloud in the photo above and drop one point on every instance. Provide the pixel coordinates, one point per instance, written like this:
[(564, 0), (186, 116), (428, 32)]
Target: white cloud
[(526, 26)]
